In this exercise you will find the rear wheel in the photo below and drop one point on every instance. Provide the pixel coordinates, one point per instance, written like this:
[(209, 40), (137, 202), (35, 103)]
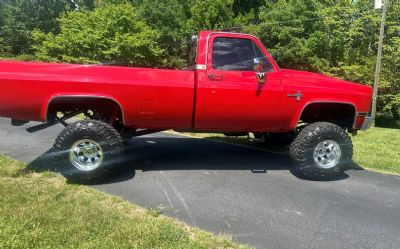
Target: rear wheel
[(321, 151), (85, 150)]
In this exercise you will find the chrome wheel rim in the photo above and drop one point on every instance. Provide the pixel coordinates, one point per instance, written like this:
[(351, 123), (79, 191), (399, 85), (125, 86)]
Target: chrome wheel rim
[(327, 154), (86, 155)]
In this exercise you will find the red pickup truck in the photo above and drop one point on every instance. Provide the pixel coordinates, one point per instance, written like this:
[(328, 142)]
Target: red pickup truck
[(231, 85)]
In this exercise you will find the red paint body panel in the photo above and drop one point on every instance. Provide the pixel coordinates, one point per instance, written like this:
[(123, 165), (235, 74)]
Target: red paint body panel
[(320, 88), (178, 99), (27, 88), (237, 98)]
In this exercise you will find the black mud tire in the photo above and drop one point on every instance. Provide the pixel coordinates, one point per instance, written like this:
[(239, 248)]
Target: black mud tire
[(105, 135), (302, 150)]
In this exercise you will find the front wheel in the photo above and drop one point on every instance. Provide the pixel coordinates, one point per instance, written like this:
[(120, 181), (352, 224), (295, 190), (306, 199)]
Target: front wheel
[(321, 151), (85, 150)]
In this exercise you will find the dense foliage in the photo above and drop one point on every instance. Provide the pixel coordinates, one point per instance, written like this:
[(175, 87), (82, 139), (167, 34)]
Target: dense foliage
[(112, 34), (336, 37)]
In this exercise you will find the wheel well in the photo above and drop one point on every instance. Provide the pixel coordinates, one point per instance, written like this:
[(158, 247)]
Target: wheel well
[(337, 113), (98, 108)]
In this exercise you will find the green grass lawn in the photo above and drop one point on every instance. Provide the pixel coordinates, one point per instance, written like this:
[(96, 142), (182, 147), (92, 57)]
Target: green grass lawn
[(377, 149), (40, 210)]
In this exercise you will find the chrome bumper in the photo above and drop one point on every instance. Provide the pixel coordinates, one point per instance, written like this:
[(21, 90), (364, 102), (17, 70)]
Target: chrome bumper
[(368, 122)]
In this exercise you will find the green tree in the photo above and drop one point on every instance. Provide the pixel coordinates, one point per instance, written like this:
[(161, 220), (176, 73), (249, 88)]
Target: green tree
[(292, 30), (112, 34), (389, 91), (168, 18), (210, 15), (19, 18), (4, 49), (244, 7)]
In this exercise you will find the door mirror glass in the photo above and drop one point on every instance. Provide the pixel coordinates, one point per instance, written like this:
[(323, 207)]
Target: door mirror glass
[(258, 65)]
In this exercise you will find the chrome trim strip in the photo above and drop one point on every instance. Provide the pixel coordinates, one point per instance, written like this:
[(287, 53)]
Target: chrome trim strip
[(200, 67), (196, 67), (85, 96)]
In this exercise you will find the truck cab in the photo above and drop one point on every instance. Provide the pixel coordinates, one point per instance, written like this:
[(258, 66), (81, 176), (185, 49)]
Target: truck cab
[(240, 87)]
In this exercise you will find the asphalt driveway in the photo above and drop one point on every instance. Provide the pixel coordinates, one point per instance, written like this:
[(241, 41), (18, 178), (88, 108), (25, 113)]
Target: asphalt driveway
[(248, 194)]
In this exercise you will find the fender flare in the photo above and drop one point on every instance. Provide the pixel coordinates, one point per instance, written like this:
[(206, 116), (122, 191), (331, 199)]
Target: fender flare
[(47, 103), (300, 111)]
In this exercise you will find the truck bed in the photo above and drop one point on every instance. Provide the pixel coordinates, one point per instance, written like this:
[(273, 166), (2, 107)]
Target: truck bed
[(150, 98)]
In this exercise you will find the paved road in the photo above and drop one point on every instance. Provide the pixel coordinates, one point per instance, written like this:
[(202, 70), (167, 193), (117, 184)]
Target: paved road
[(248, 194)]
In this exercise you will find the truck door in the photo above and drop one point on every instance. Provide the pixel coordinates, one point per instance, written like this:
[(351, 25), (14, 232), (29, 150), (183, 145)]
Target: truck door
[(242, 90)]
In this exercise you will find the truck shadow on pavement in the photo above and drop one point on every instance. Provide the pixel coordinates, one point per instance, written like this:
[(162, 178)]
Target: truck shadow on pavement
[(182, 153)]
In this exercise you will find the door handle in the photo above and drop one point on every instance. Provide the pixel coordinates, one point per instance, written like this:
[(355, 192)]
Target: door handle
[(215, 76)]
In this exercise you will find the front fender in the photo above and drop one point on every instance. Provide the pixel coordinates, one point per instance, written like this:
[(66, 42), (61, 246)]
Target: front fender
[(296, 118)]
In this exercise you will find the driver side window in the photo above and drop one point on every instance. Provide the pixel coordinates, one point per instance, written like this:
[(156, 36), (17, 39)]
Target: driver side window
[(237, 54)]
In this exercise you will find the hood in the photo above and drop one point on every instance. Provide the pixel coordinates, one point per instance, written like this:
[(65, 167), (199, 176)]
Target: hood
[(323, 81)]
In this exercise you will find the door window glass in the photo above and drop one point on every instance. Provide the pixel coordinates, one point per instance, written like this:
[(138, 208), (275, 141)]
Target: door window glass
[(266, 65), (237, 54)]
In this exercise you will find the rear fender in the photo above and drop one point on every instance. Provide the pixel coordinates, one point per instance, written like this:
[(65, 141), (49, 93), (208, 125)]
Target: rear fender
[(48, 102)]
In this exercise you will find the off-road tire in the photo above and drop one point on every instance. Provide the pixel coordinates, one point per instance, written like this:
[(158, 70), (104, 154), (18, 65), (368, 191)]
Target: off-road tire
[(302, 150), (105, 135)]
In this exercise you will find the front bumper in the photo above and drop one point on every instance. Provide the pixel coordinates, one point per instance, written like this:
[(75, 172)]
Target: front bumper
[(368, 122)]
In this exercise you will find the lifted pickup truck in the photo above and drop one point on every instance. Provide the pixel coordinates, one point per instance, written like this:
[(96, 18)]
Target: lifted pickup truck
[(231, 85)]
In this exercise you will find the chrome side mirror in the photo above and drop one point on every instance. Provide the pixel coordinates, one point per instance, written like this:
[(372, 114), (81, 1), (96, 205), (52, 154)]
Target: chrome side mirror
[(259, 68), (261, 77)]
